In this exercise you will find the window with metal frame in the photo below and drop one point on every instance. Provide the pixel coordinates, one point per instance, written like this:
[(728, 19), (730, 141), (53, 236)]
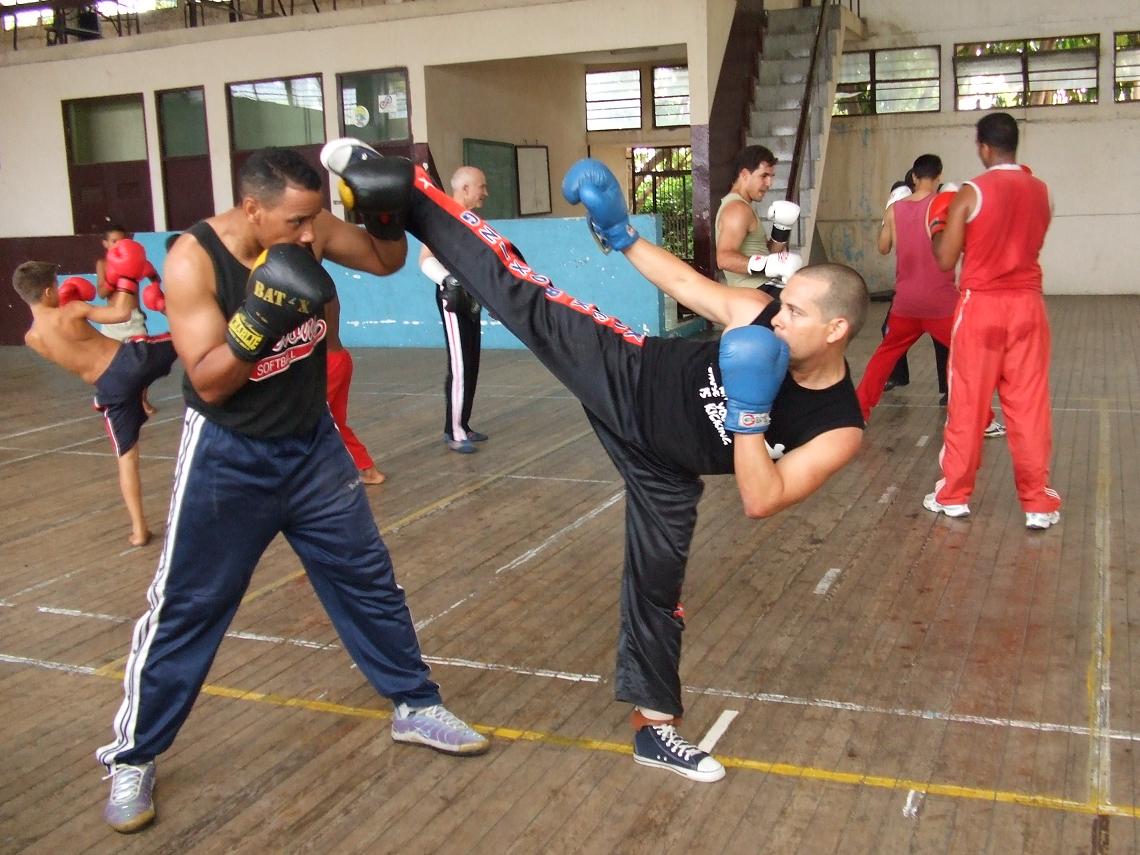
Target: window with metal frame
[(1126, 66), (1036, 72), (670, 96), (899, 80), (374, 105), (613, 100), (284, 112)]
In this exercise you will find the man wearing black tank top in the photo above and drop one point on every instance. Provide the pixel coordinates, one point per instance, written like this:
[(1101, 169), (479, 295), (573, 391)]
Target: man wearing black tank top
[(661, 409), (260, 456)]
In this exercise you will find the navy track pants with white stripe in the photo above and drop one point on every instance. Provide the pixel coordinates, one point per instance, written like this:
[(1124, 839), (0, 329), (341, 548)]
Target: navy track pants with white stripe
[(232, 495)]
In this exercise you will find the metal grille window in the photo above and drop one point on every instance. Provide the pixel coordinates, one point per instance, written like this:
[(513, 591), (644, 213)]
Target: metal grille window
[(1127, 66), (670, 96), (661, 182), (902, 80), (613, 100), (1026, 72)]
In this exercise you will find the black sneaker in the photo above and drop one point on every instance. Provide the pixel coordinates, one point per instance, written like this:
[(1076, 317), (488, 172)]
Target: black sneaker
[(660, 745)]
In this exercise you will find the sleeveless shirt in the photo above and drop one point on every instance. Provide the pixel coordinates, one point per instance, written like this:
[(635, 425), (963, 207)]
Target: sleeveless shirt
[(285, 395), (755, 243), (682, 402), (921, 289), (1006, 230)]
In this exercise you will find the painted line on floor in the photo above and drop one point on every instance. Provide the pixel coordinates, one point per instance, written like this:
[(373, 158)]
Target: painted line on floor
[(827, 581), (922, 440), (1098, 677), (719, 727), (913, 805), (758, 697), (787, 770), (432, 508)]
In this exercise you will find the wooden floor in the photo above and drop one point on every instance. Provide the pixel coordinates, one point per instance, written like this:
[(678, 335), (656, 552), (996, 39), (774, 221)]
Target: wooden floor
[(881, 679)]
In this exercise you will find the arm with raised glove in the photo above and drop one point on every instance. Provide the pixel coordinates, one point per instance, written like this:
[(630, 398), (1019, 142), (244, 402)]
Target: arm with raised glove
[(591, 183), (75, 288), (784, 215), (286, 287)]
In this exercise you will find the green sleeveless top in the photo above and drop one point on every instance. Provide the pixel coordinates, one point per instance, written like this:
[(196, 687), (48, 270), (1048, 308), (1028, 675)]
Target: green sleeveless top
[(756, 243)]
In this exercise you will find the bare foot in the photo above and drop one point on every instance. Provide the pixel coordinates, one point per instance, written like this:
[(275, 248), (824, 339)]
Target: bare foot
[(372, 476), (140, 539)]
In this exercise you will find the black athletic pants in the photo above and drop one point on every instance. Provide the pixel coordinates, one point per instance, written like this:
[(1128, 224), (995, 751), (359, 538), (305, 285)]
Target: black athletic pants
[(599, 360)]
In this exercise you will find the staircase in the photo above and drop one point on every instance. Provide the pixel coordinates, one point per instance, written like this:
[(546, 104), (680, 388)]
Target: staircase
[(780, 94)]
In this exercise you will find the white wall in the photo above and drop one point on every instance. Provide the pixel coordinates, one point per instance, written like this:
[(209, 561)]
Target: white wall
[(1085, 152), (33, 173)]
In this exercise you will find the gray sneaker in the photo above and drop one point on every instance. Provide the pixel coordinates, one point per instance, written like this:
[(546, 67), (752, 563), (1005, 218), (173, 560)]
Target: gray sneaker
[(131, 805), (438, 728), (1042, 521)]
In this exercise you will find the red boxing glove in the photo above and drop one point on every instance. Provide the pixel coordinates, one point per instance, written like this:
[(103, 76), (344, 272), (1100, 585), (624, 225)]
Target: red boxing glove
[(75, 288), (126, 265), (939, 208), (153, 298)]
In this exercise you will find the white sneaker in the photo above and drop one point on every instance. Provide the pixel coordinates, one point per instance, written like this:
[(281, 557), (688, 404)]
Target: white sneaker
[(1041, 522), (994, 430), (932, 504)]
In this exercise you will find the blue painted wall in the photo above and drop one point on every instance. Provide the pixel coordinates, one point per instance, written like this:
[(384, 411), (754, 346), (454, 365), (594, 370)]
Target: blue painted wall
[(399, 310)]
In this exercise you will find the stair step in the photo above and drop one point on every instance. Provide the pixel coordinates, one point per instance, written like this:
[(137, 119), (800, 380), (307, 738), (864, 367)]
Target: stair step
[(788, 46), (782, 21)]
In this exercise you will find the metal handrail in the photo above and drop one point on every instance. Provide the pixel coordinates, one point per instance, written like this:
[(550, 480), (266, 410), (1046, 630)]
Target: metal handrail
[(792, 194)]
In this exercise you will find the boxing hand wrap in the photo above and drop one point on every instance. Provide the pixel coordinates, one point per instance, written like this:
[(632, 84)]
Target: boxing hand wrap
[(939, 208), (75, 288), (783, 215), (286, 287), (434, 270), (753, 363), (376, 189), (590, 182)]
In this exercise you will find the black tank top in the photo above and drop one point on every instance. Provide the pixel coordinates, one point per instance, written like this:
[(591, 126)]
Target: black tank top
[(285, 395), (682, 403)]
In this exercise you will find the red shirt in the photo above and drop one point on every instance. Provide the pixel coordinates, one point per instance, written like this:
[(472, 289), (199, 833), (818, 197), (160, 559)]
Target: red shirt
[(1005, 232), (921, 289)]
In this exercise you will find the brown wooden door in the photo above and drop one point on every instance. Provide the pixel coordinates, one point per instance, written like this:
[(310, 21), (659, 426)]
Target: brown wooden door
[(189, 190)]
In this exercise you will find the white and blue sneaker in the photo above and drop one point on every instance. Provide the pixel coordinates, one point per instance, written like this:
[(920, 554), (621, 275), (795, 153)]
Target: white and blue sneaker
[(1041, 521), (131, 805), (932, 504), (660, 745), (438, 728)]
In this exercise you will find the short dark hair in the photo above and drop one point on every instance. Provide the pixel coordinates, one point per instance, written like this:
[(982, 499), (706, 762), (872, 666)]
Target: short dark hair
[(750, 157), (32, 278), (113, 227), (847, 296), (268, 171), (998, 130), (927, 166)]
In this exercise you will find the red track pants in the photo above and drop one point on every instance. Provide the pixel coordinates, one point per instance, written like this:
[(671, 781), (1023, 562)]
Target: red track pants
[(1000, 341)]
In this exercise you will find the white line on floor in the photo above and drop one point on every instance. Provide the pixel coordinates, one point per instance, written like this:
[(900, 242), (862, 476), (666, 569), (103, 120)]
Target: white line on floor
[(913, 804), (827, 581), (709, 740), (922, 440)]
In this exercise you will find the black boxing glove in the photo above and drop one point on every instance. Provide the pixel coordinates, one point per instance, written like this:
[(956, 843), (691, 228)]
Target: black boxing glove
[(376, 189), (286, 287)]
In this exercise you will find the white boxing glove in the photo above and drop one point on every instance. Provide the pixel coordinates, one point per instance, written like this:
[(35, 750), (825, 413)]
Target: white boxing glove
[(897, 194), (783, 215), (778, 265)]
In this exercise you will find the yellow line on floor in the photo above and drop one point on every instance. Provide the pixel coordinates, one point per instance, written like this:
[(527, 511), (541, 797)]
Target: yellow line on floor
[(787, 770), (430, 509)]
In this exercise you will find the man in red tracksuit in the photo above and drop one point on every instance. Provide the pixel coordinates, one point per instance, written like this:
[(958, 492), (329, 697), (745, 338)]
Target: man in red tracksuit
[(1001, 336)]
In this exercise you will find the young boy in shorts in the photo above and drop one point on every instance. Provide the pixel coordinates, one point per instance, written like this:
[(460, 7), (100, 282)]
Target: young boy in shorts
[(62, 333)]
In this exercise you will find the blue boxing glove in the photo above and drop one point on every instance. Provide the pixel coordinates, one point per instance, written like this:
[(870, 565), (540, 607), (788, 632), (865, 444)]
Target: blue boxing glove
[(753, 363), (591, 183)]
